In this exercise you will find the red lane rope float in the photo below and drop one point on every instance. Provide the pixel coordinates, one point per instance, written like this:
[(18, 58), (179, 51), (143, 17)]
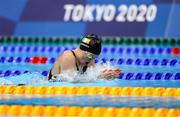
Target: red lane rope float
[(175, 51), (38, 60)]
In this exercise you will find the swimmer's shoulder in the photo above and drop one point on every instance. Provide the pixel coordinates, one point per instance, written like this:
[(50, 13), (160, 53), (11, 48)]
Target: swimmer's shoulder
[(65, 60), (66, 56), (62, 62)]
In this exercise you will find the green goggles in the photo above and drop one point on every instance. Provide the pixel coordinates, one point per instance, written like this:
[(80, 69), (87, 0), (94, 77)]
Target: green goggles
[(90, 56)]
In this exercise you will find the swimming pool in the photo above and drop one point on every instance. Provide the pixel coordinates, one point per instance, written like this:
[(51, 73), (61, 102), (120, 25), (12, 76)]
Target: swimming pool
[(148, 84)]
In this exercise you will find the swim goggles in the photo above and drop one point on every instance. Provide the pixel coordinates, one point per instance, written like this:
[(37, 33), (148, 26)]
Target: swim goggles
[(90, 56)]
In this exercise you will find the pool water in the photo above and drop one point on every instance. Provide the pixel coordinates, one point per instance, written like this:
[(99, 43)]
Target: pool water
[(152, 67)]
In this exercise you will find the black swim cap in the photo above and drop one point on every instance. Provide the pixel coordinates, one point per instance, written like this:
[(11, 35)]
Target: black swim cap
[(91, 43)]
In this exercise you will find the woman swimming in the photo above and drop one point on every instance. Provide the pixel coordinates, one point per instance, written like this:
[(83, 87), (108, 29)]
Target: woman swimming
[(81, 58)]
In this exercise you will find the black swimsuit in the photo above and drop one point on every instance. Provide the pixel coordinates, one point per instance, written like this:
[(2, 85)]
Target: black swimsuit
[(83, 69), (81, 72)]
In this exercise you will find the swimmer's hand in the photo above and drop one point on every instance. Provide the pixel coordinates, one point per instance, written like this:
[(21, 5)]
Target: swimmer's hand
[(110, 74)]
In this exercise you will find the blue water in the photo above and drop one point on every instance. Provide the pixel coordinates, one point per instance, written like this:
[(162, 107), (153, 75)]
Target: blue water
[(37, 69), (32, 78), (93, 101)]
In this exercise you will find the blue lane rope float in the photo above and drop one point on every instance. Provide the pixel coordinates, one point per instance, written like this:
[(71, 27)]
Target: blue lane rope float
[(119, 61)]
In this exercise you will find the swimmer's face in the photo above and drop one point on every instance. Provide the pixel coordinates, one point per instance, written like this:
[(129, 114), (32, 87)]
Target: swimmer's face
[(90, 56)]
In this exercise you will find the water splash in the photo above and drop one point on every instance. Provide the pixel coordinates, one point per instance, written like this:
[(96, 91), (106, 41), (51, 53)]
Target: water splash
[(91, 74), (70, 76), (5, 82)]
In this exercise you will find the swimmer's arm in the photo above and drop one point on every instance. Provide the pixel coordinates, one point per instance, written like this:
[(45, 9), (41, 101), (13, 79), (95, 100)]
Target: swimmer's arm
[(109, 74), (56, 68), (101, 75)]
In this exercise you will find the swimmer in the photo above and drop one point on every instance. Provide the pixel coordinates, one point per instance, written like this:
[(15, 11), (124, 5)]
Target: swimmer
[(81, 58)]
